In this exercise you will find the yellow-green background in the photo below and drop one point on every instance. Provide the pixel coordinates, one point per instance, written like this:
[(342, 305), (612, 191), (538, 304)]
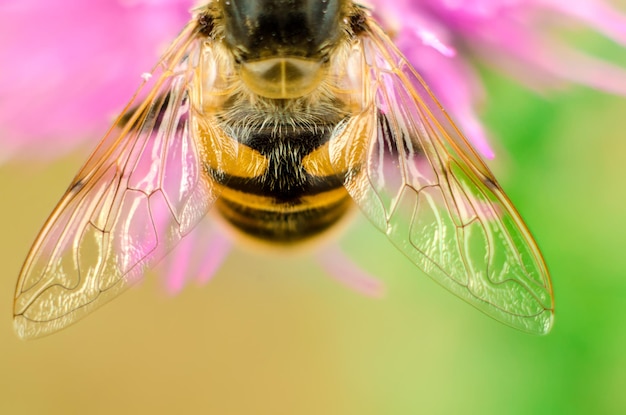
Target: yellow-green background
[(270, 336)]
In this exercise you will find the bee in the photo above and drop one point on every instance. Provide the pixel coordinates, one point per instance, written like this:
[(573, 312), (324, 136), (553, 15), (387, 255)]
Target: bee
[(280, 117)]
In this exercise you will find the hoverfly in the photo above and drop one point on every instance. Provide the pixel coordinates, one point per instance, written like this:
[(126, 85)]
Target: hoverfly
[(280, 116)]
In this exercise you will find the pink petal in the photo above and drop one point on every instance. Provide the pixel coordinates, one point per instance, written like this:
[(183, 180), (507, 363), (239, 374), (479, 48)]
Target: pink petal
[(342, 269), (69, 66), (199, 255), (599, 15)]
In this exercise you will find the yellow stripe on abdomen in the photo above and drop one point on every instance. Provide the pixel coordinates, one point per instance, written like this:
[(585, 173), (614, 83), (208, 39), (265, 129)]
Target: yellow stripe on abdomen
[(283, 222)]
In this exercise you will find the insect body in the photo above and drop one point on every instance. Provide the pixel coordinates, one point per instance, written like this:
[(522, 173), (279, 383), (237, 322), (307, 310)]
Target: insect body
[(282, 115)]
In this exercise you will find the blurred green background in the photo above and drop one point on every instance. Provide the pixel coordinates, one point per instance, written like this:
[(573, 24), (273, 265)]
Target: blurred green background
[(278, 336)]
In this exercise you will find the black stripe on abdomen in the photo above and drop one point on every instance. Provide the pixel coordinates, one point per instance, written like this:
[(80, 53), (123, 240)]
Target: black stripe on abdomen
[(284, 202), (283, 222)]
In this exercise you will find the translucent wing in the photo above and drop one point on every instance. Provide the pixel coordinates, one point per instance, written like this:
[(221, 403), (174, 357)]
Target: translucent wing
[(141, 191), (417, 179)]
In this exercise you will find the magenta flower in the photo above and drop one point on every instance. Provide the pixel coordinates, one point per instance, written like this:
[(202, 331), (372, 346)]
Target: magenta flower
[(442, 37), (68, 66)]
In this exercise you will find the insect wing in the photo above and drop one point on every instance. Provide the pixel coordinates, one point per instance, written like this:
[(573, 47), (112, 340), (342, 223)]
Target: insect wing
[(141, 191), (418, 180)]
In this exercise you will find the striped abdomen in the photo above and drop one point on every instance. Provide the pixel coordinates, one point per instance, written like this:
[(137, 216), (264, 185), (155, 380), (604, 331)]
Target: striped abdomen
[(293, 193)]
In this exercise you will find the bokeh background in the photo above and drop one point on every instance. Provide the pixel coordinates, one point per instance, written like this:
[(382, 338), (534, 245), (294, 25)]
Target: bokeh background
[(278, 336)]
